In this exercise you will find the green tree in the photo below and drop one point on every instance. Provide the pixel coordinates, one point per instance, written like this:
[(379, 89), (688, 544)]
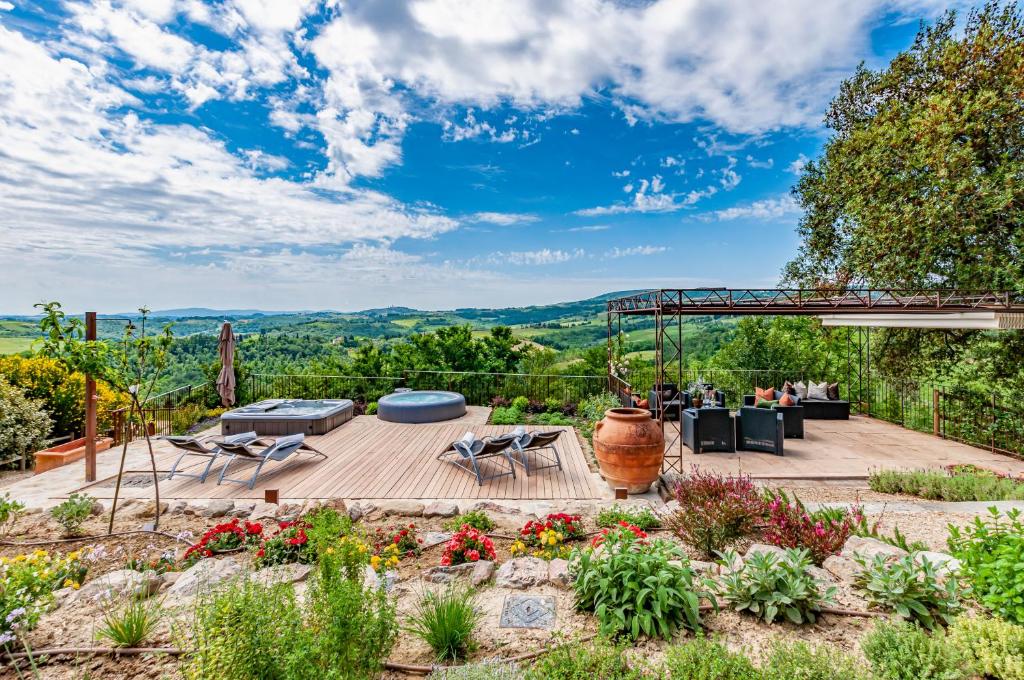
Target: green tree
[(921, 181), (24, 423)]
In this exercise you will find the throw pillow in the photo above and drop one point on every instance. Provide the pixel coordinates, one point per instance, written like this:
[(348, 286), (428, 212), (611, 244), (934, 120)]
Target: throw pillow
[(667, 395), (768, 394), (766, 403), (788, 388), (643, 403), (787, 400), (800, 389), (833, 391), (817, 391)]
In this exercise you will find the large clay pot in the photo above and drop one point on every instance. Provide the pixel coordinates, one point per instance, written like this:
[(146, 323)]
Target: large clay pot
[(630, 447)]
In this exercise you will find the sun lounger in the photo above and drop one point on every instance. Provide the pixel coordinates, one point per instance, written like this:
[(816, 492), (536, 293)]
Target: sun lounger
[(197, 446), (277, 450), (525, 443), (471, 451)]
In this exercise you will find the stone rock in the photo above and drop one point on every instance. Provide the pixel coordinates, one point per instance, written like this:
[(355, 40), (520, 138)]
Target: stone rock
[(482, 572), (242, 510), (449, 574), (356, 512), (170, 578), (402, 508), (765, 549), (204, 574), (819, 574), (522, 572), (97, 508), (944, 564), (63, 596), (843, 568), (704, 567), (373, 580), (489, 506), (432, 538), (336, 504), (868, 548), (282, 573), (263, 511), (145, 511), (558, 573), (177, 507), (121, 582), (217, 508), (441, 509), (289, 512)]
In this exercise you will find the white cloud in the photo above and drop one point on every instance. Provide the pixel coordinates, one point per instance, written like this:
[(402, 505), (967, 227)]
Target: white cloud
[(797, 166), (544, 256), (635, 250), (620, 173), (763, 165), (730, 179), (766, 209), (503, 219), (588, 228), (650, 197)]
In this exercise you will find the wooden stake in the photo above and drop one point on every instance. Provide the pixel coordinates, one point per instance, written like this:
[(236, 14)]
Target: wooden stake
[(90, 407)]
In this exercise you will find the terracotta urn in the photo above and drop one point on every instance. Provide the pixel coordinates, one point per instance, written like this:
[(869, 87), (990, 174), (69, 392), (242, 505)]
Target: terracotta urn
[(630, 447)]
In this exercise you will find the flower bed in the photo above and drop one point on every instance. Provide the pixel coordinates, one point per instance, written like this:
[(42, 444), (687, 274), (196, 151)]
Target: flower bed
[(27, 583), (468, 545), (290, 544), (224, 537)]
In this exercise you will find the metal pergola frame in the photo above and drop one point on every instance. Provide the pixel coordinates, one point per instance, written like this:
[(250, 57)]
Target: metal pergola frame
[(668, 306)]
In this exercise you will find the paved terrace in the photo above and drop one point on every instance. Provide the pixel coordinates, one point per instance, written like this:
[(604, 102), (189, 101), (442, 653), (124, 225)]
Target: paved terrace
[(372, 459)]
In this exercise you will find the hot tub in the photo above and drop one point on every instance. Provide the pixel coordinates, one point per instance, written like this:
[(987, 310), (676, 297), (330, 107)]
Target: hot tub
[(421, 406), (288, 416)]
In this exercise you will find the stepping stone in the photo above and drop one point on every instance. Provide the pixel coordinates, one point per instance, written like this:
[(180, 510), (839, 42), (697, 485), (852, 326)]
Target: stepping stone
[(528, 611)]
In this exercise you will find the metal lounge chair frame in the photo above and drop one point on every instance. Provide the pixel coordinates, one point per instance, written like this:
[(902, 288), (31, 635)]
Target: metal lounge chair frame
[(535, 442), (196, 446), (470, 455), (278, 450)]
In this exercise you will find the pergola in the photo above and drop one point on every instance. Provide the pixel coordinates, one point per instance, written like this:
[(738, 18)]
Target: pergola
[(862, 309)]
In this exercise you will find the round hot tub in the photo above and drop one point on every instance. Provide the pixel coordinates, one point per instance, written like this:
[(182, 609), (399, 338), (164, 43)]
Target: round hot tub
[(421, 406)]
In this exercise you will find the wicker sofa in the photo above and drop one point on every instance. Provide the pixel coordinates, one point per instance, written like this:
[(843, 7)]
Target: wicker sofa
[(792, 416), (759, 429), (813, 409)]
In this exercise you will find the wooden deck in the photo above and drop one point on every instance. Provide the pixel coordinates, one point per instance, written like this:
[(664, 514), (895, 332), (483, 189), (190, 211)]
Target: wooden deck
[(372, 459), (841, 449)]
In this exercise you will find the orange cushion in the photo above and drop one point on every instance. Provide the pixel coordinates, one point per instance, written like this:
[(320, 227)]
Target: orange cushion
[(768, 394), (787, 400), (644, 403)]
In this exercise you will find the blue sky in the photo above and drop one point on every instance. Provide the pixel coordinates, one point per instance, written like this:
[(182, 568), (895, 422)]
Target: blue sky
[(319, 154)]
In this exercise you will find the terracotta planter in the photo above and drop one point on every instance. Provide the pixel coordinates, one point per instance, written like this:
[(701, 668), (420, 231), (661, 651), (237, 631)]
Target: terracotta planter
[(69, 452), (630, 448)]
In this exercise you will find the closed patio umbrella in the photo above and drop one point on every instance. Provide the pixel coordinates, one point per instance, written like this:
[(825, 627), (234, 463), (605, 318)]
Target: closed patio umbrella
[(226, 379)]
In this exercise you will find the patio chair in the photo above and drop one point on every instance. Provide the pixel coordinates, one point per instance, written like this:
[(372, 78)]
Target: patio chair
[(760, 429), (471, 451), (197, 446), (670, 399), (535, 442), (709, 429), (278, 450), (792, 416)]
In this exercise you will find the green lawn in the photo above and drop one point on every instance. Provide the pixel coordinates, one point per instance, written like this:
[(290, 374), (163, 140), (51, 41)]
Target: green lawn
[(14, 345)]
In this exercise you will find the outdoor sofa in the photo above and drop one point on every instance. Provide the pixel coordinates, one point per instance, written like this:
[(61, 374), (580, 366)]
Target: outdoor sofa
[(709, 429), (792, 416)]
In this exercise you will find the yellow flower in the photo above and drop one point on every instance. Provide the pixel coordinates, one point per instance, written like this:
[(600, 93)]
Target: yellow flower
[(330, 551)]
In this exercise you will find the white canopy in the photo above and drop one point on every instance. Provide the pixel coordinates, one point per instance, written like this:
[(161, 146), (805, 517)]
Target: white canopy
[(981, 320)]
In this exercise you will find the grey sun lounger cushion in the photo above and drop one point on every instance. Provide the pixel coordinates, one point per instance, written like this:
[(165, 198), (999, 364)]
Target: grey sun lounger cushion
[(472, 451), (537, 443), (277, 450), (197, 446)]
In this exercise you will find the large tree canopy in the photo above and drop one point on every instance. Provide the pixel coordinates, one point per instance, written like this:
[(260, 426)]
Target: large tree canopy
[(922, 182)]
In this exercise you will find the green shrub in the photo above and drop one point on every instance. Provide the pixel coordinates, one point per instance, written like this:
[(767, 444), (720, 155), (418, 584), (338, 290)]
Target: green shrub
[(994, 647), (73, 512), (774, 588), (520, 403), (242, 631), (637, 587), (478, 519), (27, 582), (349, 628), (507, 415), (703, 659), (131, 623), (862, 528), (643, 518), (10, 511), (326, 527), (446, 621), (371, 408), (592, 408), (913, 591), (902, 651), (185, 417), (552, 419), (24, 424), (958, 485), (991, 554), (553, 406), (572, 661), (800, 661)]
